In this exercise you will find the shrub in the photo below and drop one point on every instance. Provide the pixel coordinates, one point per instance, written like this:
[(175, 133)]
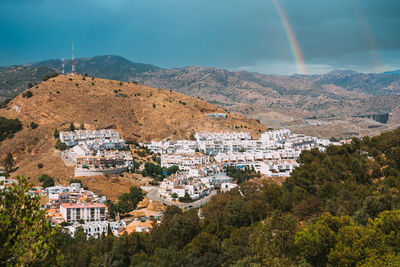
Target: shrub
[(8, 127), (56, 134), (33, 125), (40, 165), (27, 94), (49, 76), (46, 180), (75, 181), (60, 145), (71, 127)]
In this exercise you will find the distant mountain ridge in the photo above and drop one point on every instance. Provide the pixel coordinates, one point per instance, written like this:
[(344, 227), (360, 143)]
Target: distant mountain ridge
[(340, 93)]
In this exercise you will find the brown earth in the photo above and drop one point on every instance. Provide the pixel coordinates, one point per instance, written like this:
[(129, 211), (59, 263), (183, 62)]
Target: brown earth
[(138, 112)]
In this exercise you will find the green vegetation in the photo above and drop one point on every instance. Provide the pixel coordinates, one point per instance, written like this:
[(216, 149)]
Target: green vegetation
[(126, 202), (49, 76), (173, 169), (4, 103), (241, 175), (339, 208), (40, 166), (46, 180), (26, 238), (71, 127), (60, 145), (33, 125), (27, 94), (8, 127), (78, 181), (155, 171), (56, 134), (186, 198)]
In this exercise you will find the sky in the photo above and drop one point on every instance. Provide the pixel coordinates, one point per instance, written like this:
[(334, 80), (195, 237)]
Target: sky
[(265, 36)]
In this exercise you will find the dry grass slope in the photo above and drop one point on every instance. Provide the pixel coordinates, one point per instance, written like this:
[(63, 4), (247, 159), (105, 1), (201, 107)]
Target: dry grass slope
[(138, 112)]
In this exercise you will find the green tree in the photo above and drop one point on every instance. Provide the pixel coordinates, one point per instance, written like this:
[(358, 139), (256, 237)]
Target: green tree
[(173, 169), (272, 241), (56, 134), (71, 127), (33, 125), (60, 145), (174, 196), (176, 230), (26, 238), (128, 201), (316, 239), (46, 180)]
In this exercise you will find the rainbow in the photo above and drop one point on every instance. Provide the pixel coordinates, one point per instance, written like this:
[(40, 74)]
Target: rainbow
[(294, 45)]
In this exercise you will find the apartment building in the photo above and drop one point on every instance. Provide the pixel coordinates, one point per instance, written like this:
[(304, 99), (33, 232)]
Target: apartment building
[(87, 212), (183, 161), (96, 139)]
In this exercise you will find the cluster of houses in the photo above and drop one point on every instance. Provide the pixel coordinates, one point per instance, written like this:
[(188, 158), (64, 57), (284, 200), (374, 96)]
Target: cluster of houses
[(96, 152), (73, 207), (212, 143), (195, 186), (275, 153)]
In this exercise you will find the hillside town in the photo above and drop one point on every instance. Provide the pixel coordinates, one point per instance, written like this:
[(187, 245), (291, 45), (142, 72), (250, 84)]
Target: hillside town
[(201, 170), (202, 161)]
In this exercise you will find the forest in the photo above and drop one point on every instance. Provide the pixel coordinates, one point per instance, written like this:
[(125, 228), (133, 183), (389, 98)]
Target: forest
[(340, 207)]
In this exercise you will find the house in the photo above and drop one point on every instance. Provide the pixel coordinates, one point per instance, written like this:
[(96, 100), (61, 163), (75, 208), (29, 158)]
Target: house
[(227, 186)]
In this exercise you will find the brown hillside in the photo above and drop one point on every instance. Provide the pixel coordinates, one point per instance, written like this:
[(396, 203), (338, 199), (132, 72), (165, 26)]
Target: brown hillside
[(138, 112)]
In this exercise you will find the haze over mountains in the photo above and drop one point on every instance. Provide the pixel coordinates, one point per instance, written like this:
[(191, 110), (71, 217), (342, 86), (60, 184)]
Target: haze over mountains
[(354, 103)]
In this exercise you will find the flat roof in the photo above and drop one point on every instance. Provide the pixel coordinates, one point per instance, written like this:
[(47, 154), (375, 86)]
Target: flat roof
[(87, 205)]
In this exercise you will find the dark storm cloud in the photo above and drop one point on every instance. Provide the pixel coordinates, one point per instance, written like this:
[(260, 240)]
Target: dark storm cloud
[(358, 34)]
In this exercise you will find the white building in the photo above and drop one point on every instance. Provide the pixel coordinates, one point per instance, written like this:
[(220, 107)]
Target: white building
[(96, 229), (97, 139), (86, 212), (184, 161)]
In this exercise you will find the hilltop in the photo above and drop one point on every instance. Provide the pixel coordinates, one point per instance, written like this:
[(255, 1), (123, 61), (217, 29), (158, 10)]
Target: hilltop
[(139, 113), (341, 103)]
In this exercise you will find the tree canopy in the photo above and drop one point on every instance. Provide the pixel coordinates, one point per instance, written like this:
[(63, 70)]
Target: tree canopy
[(26, 238)]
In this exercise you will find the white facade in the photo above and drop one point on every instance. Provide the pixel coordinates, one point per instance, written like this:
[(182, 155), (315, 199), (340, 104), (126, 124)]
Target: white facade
[(96, 229), (183, 161), (86, 212), (97, 139)]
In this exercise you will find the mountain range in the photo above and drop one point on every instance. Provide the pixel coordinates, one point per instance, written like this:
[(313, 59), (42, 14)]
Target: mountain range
[(334, 102)]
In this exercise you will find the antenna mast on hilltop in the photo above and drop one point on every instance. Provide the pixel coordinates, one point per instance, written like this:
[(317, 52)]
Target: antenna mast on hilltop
[(62, 69), (73, 60)]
